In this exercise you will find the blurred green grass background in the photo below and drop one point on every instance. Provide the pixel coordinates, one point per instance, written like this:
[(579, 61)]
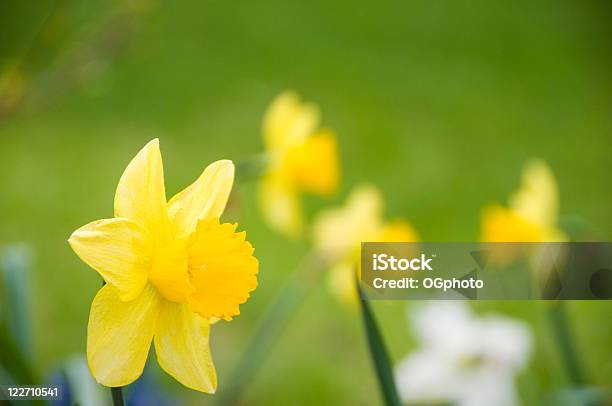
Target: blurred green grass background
[(437, 103)]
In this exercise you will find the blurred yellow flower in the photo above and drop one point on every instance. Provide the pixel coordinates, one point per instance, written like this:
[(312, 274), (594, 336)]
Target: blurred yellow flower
[(338, 234), (533, 211), (171, 268), (300, 159)]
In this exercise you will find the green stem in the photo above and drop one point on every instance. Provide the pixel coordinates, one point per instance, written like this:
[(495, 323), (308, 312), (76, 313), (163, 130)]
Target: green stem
[(117, 394), (271, 326), (378, 352), (14, 362), (562, 332)]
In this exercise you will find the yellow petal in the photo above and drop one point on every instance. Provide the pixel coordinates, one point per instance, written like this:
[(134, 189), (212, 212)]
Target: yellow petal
[(288, 121), (338, 232), (204, 199), (538, 198), (280, 205), (119, 250), (119, 335), (313, 165), (141, 194), (182, 347), (223, 269)]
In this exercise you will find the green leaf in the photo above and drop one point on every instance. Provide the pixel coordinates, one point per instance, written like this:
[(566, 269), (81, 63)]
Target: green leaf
[(581, 396), (562, 331), (378, 351), (12, 360), (15, 268)]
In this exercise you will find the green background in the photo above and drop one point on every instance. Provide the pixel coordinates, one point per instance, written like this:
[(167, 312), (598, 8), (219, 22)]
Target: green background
[(438, 103)]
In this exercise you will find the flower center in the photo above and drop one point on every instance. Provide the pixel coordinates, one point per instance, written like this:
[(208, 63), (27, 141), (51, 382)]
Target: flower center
[(169, 271), (213, 270)]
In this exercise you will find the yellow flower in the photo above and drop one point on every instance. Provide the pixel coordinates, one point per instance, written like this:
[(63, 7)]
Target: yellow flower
[(338, 234), (532, 215), (301, 159), (171, 268)]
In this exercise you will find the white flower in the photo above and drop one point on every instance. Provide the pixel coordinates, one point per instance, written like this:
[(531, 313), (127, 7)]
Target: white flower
[(464, 359)]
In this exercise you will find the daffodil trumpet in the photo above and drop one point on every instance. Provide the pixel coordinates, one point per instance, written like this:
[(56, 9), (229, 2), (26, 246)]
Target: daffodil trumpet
[(171, 268)]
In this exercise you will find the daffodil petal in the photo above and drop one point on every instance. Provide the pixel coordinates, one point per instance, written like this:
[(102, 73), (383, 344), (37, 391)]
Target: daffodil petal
[(280, 205), (204, 199), (337, 232), (288, 121), (119, 250), (182, 347), (119, 335), (538, 198), (141, 194)]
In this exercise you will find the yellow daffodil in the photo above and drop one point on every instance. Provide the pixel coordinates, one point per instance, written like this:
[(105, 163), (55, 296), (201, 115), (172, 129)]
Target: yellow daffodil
[(338, 233), (171, 268), (532, 215), (301, 158)]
